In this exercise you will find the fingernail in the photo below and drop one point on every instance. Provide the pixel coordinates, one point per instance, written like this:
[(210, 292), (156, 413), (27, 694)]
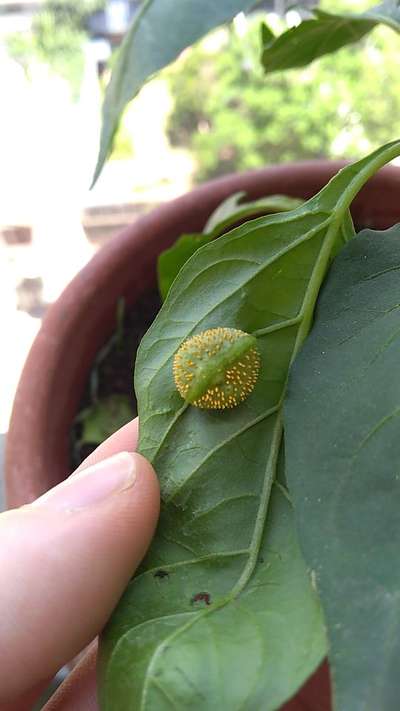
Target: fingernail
[(92, 485)]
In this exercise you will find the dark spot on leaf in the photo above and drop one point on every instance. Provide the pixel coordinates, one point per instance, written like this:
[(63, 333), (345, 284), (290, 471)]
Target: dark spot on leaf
[(201, 597), (161, 574), (261, 559)]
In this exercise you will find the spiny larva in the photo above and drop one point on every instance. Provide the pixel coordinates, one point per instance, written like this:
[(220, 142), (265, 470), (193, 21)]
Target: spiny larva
[(217, 368)]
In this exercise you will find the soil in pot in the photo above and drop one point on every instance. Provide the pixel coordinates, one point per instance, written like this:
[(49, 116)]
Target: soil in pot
[(109, 399)]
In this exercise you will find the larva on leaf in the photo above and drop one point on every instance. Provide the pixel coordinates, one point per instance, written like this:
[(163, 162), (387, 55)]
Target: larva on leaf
[(217, 369)]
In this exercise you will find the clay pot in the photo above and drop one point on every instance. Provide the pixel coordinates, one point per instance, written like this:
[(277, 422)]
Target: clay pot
[(74, 328)]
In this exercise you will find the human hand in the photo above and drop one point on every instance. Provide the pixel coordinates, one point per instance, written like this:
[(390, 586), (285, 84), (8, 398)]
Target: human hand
[(65, 560)]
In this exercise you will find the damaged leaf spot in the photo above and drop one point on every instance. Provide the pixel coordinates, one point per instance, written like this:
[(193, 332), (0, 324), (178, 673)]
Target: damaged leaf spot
[(201, 597)]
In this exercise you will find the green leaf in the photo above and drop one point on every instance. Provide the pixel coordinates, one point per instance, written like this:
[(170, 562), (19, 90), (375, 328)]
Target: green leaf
[(266, 33), (104, 417), (230, 211), (323, 34), (175, 654), (160, 31), (224, 211), (343, 452), (172, 260), (211, 622), (236, 209)]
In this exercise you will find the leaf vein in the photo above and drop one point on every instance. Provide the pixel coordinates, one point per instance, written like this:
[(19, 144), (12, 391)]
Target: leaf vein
[(221, 445)]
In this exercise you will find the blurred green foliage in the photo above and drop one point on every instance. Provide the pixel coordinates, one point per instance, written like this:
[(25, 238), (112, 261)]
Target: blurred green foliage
[(232, 117), (57, 38), (123, 148), (104, 417)]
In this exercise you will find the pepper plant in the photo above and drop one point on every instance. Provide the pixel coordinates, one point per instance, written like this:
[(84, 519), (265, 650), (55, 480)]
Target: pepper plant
[(270, 413)]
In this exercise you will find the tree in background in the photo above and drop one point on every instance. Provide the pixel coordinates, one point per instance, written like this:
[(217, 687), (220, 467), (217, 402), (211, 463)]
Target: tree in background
[(232, 117), (59, 32)]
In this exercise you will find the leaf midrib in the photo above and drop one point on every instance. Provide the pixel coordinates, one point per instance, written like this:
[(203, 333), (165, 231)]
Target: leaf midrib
[(305, 319), (304, 238), (308, 305), (336, 215)]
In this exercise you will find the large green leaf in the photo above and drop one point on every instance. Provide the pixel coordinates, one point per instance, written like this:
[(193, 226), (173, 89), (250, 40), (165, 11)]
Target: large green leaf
[(323, 34), (231, 211), (343, 455), (223, 614), (160, 31), (165, 650)]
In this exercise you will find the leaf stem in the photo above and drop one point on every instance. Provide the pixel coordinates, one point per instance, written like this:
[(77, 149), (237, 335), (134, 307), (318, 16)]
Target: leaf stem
[(277, 326), (262, 510), (391, 151)]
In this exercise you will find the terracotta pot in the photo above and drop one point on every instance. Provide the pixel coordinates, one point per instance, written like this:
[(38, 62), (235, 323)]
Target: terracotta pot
[(74, 328)]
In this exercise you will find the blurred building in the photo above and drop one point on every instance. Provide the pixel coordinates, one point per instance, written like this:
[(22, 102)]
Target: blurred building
[(110, 23), (17, 16), (281, 7)]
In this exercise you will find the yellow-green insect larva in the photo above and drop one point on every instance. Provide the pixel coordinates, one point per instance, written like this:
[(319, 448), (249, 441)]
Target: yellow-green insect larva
[(217, 369)]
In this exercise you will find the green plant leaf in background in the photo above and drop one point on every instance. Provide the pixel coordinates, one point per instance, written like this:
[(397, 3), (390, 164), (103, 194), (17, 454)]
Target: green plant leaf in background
[(323, 34), (236, 208), (172, 260), (343, 467), (211, 620), (104, 417), (266, 34), (230, 212), (160, 31)]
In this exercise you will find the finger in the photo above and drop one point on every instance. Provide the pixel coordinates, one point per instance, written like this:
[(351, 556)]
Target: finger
[(27, 701), (65, 560), (78, 691), (124, 440)]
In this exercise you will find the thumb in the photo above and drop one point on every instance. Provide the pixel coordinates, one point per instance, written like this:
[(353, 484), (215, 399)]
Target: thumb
[(65, 560)]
